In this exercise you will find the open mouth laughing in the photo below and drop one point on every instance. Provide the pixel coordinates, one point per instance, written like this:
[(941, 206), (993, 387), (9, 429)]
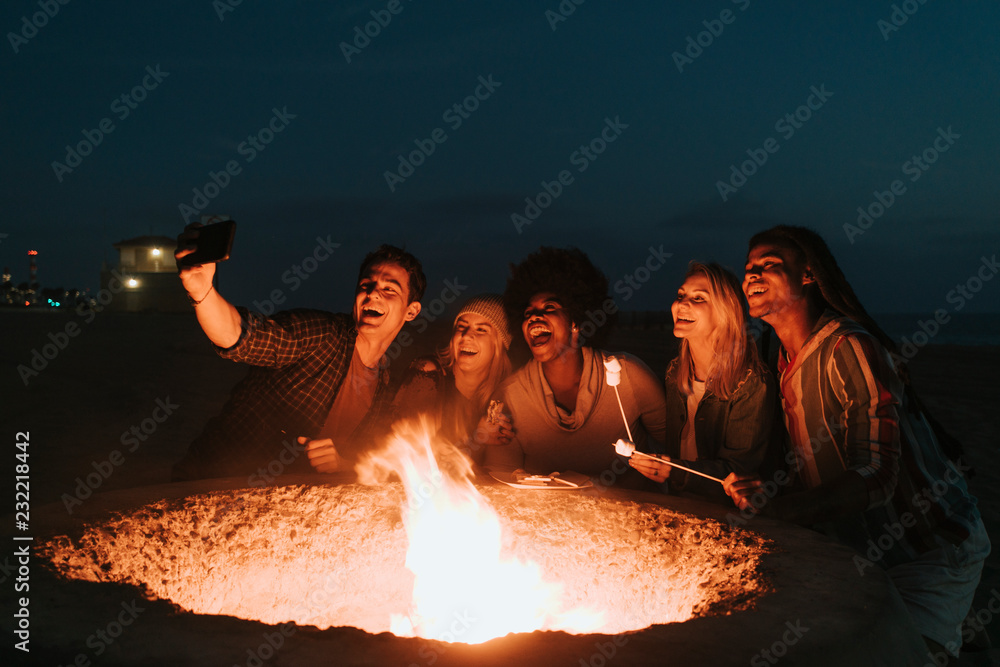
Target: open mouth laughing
[(755, 289), (539, 334), (372, 312)]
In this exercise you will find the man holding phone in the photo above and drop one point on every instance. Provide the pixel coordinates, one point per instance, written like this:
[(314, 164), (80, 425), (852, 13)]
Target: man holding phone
[(318, 380)]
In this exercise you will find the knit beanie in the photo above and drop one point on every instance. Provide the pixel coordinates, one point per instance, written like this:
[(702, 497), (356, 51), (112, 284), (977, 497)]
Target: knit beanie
[(489, 306)]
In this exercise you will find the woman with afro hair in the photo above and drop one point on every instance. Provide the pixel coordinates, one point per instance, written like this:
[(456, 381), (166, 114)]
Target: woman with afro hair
[(564, 414)]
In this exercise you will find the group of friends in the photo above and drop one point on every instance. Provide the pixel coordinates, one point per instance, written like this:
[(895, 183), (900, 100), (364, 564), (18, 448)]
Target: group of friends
[(813, 422)]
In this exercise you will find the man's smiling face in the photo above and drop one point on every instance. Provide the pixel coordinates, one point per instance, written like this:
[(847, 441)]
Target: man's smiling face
[(381, 302), (774, 281)]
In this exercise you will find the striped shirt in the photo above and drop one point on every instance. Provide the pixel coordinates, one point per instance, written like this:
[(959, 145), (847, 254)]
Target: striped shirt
[(846, 409), (298, 360)]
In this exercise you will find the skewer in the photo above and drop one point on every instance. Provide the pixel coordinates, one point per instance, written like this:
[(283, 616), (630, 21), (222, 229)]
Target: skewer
[(678, 465), (613, 376), (628, 449)]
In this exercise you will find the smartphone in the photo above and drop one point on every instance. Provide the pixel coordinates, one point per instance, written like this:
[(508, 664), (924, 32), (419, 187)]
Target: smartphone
[(213, 244)]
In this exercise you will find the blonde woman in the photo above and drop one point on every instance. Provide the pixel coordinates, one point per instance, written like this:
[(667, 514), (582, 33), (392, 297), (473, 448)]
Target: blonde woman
[(456, 385), (720, 398)]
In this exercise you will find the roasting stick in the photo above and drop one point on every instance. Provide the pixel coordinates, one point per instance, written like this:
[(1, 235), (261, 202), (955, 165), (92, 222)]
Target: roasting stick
[(614, 377), (628, 449)]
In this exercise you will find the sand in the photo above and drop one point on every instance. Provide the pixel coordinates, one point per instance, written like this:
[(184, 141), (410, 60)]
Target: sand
[(86, 409)]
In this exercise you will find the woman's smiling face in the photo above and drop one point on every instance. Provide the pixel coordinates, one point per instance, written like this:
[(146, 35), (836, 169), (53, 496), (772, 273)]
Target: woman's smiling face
[(473, 343), (547, 327), (693, 311)]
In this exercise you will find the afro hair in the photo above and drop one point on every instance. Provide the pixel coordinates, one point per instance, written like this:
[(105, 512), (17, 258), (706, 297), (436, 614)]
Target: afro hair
[(580, 287)]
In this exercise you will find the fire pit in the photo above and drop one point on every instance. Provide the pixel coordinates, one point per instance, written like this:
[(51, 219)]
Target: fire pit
[(312, 572), (334, 556)]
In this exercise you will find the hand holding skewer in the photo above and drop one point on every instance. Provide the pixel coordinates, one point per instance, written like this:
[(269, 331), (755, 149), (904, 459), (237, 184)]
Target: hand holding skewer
[(656, 468)]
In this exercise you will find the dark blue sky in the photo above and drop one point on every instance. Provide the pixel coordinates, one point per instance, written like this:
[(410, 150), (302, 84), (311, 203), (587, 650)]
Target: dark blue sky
[(883, 101)]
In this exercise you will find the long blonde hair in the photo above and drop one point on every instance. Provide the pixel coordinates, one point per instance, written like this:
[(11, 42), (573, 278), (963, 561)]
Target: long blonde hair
[(735, 353)]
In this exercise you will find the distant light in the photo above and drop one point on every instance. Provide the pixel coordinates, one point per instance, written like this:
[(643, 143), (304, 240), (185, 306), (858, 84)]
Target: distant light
[(156, 252), (132, 282), (32, 252)]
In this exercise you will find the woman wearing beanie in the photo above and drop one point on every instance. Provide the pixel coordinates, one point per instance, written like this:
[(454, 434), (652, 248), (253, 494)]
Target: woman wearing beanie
[(566, 415), (457, 384)]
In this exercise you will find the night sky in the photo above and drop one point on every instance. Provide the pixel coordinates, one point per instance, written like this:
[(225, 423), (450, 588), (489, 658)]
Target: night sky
[(645, 128)]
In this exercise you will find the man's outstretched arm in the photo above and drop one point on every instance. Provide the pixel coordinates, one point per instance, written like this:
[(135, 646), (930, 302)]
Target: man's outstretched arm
[(218, 318)]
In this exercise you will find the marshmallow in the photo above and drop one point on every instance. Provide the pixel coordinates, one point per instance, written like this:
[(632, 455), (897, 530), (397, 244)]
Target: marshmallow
[(624, 447), (613, 373)]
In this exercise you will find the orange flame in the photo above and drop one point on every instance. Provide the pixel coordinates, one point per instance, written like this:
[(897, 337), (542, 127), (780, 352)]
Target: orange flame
[(463, 589)]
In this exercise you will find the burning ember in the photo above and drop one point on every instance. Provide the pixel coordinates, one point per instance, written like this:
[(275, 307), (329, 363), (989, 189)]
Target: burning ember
[(455, 550), (434, 557)]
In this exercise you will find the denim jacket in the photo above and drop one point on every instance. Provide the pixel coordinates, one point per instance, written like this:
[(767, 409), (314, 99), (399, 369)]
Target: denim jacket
[(735, 435)]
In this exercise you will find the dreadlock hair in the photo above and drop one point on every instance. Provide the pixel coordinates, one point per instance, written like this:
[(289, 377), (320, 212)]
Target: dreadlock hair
[(836, 293), (579, 286), (831, 287)]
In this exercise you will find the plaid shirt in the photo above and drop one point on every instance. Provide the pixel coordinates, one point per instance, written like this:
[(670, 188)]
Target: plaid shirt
[(298, 361), (846, 409)]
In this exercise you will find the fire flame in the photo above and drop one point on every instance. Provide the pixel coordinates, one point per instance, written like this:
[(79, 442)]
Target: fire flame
[(463, 590)]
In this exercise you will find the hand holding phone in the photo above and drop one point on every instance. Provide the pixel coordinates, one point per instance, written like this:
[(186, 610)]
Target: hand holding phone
[(208, 244)]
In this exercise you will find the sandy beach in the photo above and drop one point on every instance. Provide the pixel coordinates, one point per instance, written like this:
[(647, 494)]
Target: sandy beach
[(126, 393)]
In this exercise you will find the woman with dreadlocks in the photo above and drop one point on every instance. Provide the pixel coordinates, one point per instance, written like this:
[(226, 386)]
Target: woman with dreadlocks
[(564, 413), (865, 459)]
